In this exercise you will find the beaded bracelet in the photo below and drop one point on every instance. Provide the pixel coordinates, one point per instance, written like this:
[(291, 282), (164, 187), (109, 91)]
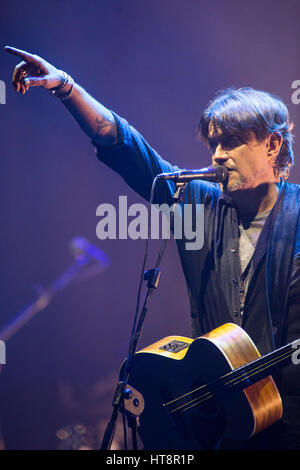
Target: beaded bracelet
[(69, 92), (58, 92)]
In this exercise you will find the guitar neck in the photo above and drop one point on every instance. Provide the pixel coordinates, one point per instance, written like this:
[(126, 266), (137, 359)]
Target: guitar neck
[(254, 371)]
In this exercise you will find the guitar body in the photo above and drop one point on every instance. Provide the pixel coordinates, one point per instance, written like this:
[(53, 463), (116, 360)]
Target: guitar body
[(181, 410)]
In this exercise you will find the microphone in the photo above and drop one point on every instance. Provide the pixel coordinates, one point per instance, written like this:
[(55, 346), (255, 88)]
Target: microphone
[(84, 250), (214, 173)]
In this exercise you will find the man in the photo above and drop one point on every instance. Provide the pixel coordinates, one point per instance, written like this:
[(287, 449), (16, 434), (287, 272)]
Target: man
[(248, 270)]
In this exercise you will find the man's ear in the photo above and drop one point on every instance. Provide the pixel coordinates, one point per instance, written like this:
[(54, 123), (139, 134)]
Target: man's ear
[(274, 143)]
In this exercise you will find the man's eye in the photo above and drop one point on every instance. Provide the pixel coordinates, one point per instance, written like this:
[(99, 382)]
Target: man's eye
[(226, 142), (231, 142)]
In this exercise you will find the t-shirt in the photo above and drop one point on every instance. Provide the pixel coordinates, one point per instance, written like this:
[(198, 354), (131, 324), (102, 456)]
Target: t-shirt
[(250, 228)]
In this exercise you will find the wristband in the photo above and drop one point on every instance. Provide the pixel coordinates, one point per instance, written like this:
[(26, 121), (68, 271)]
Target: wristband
[(58, 91)]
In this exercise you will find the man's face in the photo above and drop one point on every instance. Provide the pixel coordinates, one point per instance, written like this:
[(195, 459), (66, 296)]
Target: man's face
[(248, 162)]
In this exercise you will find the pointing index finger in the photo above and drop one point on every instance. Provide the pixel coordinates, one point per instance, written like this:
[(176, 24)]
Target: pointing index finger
[(19, 53)]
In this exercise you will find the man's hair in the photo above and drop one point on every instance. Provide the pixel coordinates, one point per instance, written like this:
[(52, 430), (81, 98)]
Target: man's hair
[(238, 112)]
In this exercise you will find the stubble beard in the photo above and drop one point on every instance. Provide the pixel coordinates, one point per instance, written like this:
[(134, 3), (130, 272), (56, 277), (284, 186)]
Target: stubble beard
[(237, 185)]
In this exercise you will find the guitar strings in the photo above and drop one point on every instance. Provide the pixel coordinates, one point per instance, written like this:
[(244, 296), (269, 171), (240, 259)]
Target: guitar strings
[(186, 408), (204, 397), (230, 373), (211, 395), (243, 378), (208, 395), (234, 381)]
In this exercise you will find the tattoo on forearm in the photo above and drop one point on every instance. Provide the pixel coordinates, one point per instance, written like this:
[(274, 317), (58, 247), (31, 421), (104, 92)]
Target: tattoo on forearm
[(102, 123)]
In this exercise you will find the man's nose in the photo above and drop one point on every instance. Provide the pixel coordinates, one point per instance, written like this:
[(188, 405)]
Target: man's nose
[(220, 155)]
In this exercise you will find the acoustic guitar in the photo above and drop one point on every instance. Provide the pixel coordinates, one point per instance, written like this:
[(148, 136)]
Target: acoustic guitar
[(192, 394)]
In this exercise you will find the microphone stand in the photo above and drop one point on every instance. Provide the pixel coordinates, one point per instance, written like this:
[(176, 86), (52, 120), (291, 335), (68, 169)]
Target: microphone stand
[(45, 295), (43, 300), (122, 391)]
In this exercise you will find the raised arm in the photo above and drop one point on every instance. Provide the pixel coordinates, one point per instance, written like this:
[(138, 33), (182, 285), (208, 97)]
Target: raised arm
[(131, 156), (94, 119)]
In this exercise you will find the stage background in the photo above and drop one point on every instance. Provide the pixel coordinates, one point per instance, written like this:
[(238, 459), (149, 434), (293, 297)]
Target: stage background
[(158, 63)]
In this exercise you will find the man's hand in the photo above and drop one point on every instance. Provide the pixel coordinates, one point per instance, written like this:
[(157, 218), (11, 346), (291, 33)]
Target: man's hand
[(95, 120), (33, 71)]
